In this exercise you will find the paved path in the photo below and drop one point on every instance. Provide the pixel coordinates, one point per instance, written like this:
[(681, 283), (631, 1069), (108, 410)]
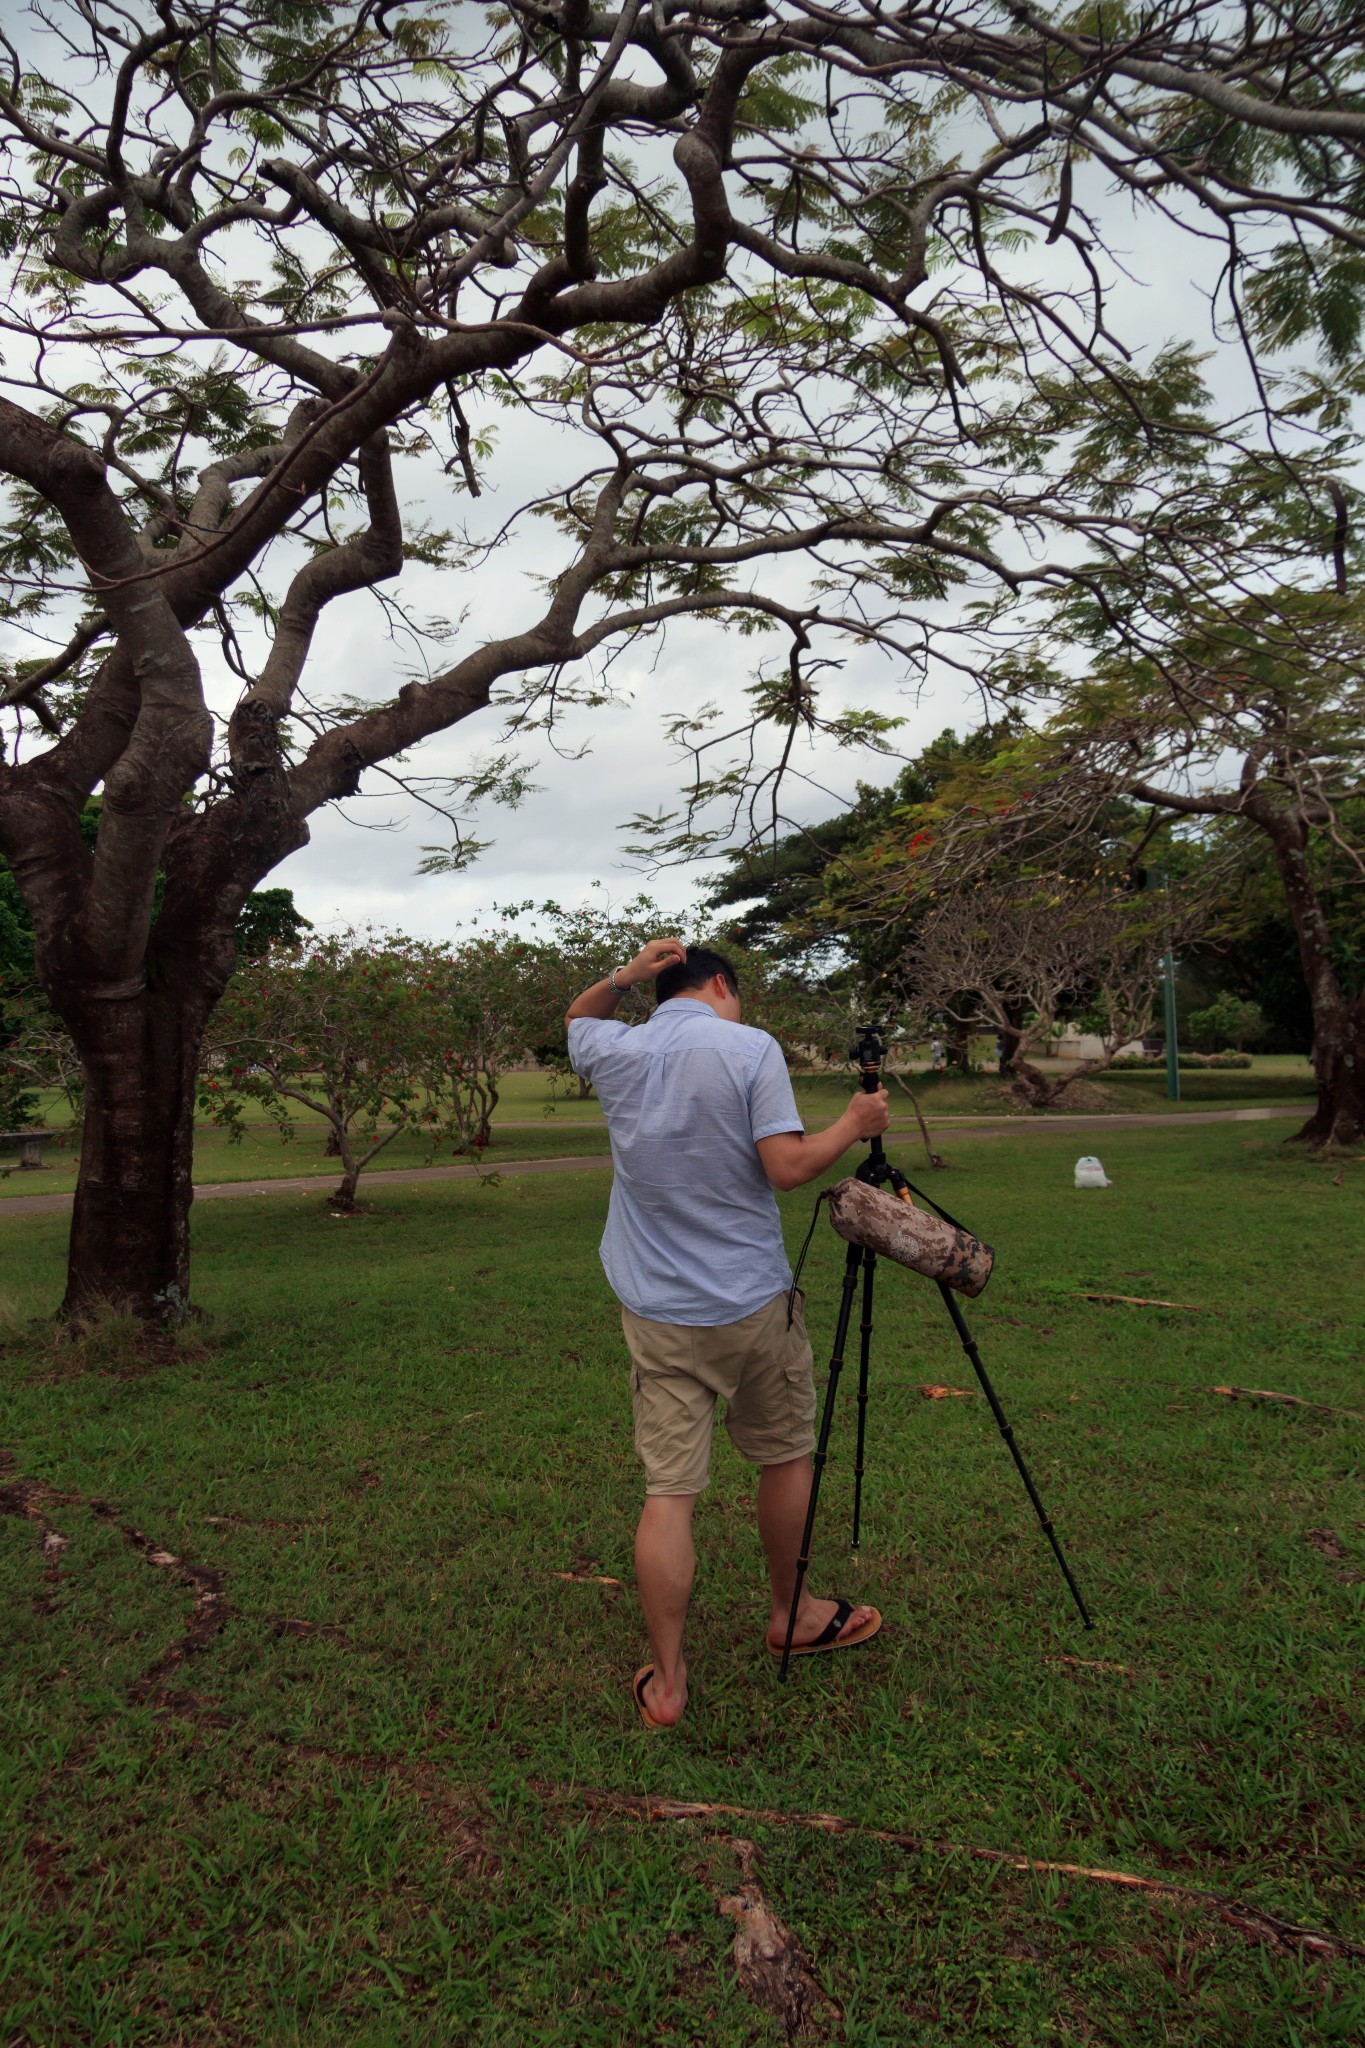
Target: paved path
[(953, 1119), (316, 1183)]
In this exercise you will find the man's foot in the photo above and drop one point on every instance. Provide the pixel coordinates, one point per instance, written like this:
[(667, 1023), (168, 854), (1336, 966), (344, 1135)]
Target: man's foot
[(816, 1626), (660, 1707)]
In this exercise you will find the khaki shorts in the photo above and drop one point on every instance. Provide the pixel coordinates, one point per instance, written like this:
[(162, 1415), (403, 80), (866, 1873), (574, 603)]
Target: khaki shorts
[(761, 1369)]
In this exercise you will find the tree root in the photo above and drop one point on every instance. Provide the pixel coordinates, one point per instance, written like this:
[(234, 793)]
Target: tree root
[(773, 1968), (209, 1614), (1253, 1921)]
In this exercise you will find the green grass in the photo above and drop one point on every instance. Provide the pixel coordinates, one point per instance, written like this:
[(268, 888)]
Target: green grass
[(360, 1813), (533, 1123)]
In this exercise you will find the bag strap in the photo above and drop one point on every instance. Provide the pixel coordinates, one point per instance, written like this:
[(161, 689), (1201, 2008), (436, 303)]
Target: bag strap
[(801, 1257), (952, 1220)]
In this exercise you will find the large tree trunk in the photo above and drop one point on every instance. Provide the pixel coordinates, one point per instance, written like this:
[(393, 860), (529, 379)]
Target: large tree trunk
[(1338, 1019), (1339, 1063), (130, 1229)]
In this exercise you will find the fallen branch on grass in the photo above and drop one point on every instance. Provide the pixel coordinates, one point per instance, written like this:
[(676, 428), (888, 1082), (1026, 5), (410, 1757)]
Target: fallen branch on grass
[(946, 1393), (1250, 1920), (586, 1578), (1285, 1400), (30, 1498), (1141, 1301)]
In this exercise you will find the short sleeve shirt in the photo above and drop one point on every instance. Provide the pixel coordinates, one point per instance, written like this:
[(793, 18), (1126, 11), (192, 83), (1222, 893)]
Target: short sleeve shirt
[(693, 1233)]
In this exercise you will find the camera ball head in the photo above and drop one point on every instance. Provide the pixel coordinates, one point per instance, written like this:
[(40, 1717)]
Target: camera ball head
[(868, 1054)]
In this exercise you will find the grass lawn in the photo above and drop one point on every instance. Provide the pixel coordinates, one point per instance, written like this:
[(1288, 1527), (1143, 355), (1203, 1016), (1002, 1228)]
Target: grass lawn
[(375, 1806), (533, 1123)]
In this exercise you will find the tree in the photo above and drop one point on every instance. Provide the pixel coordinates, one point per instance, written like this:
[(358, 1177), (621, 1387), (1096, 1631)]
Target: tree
[(788, 886), (1012, 956), (269, 917), (1256, 955), (360, 1030), (492, 983), (261, 249), (574, 948), (1250, 719), (1228, 1021)]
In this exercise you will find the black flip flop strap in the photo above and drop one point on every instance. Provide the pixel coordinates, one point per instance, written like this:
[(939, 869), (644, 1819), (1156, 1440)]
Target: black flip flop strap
[(834, 1627)]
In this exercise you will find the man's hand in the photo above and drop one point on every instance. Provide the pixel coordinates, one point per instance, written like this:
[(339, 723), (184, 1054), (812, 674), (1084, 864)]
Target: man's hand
[(793, 1157), (651, 961), (600, 1000), (869, 1114)]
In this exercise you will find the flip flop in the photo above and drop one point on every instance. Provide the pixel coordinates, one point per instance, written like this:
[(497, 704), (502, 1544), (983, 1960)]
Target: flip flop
[(829, 1637), (642, 1678)]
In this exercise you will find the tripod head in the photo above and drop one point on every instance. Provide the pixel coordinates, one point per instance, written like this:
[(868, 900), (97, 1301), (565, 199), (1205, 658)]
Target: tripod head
[(868, 1054)]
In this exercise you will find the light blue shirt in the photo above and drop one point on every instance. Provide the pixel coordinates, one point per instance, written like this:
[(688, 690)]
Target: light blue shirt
[(693, 1234)]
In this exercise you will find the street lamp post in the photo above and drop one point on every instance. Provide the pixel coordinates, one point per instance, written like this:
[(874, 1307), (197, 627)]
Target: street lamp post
[(1168, 993), (1172, 1049)]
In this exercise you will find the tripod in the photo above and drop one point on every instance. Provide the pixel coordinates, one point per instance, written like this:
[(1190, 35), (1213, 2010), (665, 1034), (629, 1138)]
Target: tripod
[(877, 1171)]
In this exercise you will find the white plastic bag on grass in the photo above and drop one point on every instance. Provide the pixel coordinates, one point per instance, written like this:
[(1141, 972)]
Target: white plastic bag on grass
[(1090, 1174)]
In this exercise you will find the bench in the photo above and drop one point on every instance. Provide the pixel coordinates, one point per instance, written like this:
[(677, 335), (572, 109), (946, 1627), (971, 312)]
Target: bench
[(30, 1145)]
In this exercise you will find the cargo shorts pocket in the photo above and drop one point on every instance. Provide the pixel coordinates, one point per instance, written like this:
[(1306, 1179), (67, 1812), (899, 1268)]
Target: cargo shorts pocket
[(772, 1416)]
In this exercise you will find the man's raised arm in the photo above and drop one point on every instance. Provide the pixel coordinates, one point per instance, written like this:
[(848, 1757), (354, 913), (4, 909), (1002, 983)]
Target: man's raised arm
[(793, 1157), (601, 999)]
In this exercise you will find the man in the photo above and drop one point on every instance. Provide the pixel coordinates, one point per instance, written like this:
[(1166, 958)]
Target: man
[(703, 1126)]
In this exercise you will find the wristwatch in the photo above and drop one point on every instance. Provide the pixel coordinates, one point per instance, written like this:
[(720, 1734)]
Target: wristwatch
[(612, 983)]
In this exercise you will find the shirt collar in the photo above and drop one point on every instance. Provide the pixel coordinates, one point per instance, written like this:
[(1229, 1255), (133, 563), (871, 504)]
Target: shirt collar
[(685, 1006)]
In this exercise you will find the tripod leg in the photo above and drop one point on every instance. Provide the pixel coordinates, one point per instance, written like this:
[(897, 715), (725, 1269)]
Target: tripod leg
[(864, 1355), (969, 1346), (836, 1366)]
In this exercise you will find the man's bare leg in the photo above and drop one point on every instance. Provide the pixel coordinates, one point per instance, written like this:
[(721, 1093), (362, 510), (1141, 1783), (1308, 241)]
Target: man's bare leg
[(665, 1564), (783, 1497)]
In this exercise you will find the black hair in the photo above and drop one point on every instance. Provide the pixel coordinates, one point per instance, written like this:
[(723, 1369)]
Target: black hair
[(700, 966)]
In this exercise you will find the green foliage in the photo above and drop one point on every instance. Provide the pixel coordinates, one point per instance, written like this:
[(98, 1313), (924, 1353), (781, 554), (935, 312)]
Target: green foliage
[(269, 917), (338, 1027), (1311, 293), (793, 889), (1228, 1021)]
